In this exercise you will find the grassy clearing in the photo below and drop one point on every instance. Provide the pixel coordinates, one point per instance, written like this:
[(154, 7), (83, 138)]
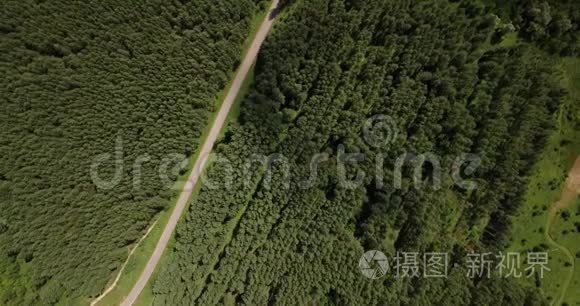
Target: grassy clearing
[(509, 40), (566, 230), (137, 262), (566, 233), (545, 186)]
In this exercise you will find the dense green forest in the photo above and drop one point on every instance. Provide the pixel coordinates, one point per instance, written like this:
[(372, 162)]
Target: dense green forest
[(552, 25), (130, 83), (133, 79), (454, 80)]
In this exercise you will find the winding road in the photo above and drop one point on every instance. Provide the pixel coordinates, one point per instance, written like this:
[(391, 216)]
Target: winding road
[(204, 153)]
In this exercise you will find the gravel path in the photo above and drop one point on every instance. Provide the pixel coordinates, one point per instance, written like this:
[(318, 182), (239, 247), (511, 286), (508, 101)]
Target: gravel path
[(200, 162)]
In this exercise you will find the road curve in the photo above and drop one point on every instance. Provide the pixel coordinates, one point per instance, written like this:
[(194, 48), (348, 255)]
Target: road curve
[(205, 151)]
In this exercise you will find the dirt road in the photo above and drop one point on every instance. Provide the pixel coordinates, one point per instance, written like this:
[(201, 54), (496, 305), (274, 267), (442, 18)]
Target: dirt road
[(569, 193), (205, 151)]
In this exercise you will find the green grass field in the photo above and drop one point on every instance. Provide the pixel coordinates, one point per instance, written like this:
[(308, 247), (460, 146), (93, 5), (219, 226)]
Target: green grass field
[(545, 186), (137, 262)]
